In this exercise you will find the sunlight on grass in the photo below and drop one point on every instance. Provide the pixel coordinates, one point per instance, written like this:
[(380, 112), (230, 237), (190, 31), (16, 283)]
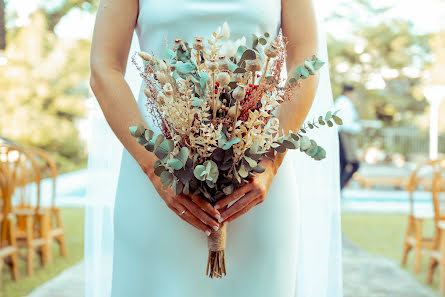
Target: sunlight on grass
[(73, 221), (383, 235)]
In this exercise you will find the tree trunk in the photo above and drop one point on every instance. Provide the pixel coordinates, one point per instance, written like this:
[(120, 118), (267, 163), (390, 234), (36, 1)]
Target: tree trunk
[(2, 25)]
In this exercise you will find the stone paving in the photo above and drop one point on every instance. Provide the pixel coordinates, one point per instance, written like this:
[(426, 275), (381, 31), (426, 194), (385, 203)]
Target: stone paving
[(364, 275)]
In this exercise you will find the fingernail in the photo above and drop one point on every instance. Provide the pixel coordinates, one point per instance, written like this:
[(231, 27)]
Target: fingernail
[(216, 228), (208, 233), (216, 206), (220, 220), (218, 217)]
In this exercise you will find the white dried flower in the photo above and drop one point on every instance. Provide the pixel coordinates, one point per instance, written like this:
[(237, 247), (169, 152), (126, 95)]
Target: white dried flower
[(212, 64), (162, 66), (223, 78), (225, 31), (147, 92), (168, 90), (239, 93), (161, 77), (145, 56), (232, 112), (228, 49)]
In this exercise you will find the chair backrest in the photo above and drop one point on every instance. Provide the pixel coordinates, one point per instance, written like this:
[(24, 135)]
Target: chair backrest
[(48, 169), (439, 190), (22, 169), (422, 178)]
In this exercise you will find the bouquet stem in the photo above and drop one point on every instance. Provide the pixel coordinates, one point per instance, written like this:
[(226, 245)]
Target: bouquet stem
[(216, 263)]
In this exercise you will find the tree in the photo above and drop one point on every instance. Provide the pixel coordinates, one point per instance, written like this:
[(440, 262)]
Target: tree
[(2, 25), (385, 61), (42, 91)]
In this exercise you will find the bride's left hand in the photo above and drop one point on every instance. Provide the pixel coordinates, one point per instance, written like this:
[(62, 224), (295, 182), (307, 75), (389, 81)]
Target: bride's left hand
[(254, 192)]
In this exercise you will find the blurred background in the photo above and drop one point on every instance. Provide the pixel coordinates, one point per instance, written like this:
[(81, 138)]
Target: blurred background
[(391, 52)]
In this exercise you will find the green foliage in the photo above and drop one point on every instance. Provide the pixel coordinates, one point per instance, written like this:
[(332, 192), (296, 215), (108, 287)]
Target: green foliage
[(381, 52), (42, 91)]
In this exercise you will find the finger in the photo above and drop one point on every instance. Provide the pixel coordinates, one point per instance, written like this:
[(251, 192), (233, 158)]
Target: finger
[(187, 216), (235, 195), (240, 204), (242, 211), (206, 206), (198, 212)]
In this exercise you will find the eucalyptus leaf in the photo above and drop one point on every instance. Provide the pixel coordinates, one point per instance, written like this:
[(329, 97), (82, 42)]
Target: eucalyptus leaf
[(228, 190), (183, 155), (243, 171), (166, 178), (185, 68), (328, 116), (248, 55), (337, 120), (158, 170), (305, 143), (148, 134), (231, 142), (262, 41), (252, 163), (175, 163), (259, 169), (198, 172), (159, 139)]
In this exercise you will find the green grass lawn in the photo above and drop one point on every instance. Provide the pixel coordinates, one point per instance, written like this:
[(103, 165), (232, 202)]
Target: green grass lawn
[(384, 235), (73, 221)]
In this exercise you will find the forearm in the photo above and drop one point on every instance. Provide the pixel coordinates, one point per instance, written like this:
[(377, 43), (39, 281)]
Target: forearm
[(121, 111)]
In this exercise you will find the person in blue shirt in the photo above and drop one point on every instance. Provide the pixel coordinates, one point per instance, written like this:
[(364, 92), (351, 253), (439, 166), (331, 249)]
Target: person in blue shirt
[(349, 162)]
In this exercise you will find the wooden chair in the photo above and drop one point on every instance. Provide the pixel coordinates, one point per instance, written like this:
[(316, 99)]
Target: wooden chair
[(437, 253), (421, 178), (48, 169), (32, 220), (8, 244)]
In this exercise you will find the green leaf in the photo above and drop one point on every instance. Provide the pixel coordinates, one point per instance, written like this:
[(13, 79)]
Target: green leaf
[(228, 190), (259, 169), (169, 54), (148, 134), (185, 67), (309, 67), (212, 170), (310, 126), (171, 145), (252, 163), (203, 80), (186, 189), (305, 143), (159, 139), (288, 144), (198, 172), (231, 142), (281, 149), (137, 131), (142, 141), (321, 154), (239, 70), (183, 155), (166, 178), (312, 151), (262, 41), (337, 120), (248, 55), (175, 163), (328, 116), (158, 170), (330, 124), (241, 49), (243, 171), (294, 136)]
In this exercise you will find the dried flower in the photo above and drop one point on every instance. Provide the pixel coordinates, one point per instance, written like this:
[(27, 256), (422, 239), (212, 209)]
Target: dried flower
[(147, 92), (162, 66), (239, 93), (198, 44), (146, 56), (223, 64), (223, 78), (168, 90), (233, 111), (178, 44), (225, 31), (212, 64), (161, 77), (271, 49), (253, 65)]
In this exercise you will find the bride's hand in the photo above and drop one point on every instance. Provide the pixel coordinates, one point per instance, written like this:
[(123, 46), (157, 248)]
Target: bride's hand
[(194, 210), (253, 193)]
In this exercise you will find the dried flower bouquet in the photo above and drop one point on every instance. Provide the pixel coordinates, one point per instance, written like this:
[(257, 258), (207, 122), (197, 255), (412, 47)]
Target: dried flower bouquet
[(215, 108)]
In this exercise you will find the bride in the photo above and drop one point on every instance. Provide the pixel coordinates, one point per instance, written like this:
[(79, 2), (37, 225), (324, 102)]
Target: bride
[(283, 233)]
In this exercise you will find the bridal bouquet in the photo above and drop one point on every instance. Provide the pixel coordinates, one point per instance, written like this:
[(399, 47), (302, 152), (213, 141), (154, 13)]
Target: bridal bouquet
[(214, 104)]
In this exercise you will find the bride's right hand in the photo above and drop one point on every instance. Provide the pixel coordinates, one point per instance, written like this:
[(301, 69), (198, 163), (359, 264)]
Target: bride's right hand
[(194, 210)]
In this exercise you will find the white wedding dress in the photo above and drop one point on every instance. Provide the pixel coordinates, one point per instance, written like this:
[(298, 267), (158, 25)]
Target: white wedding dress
[(286, 247)]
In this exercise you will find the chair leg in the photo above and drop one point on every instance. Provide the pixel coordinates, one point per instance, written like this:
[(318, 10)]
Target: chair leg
[(14, 256), (29, 246), (431, 268), (407, 246), (418, 248), (442, 265), (60, 238), (43, 224)]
